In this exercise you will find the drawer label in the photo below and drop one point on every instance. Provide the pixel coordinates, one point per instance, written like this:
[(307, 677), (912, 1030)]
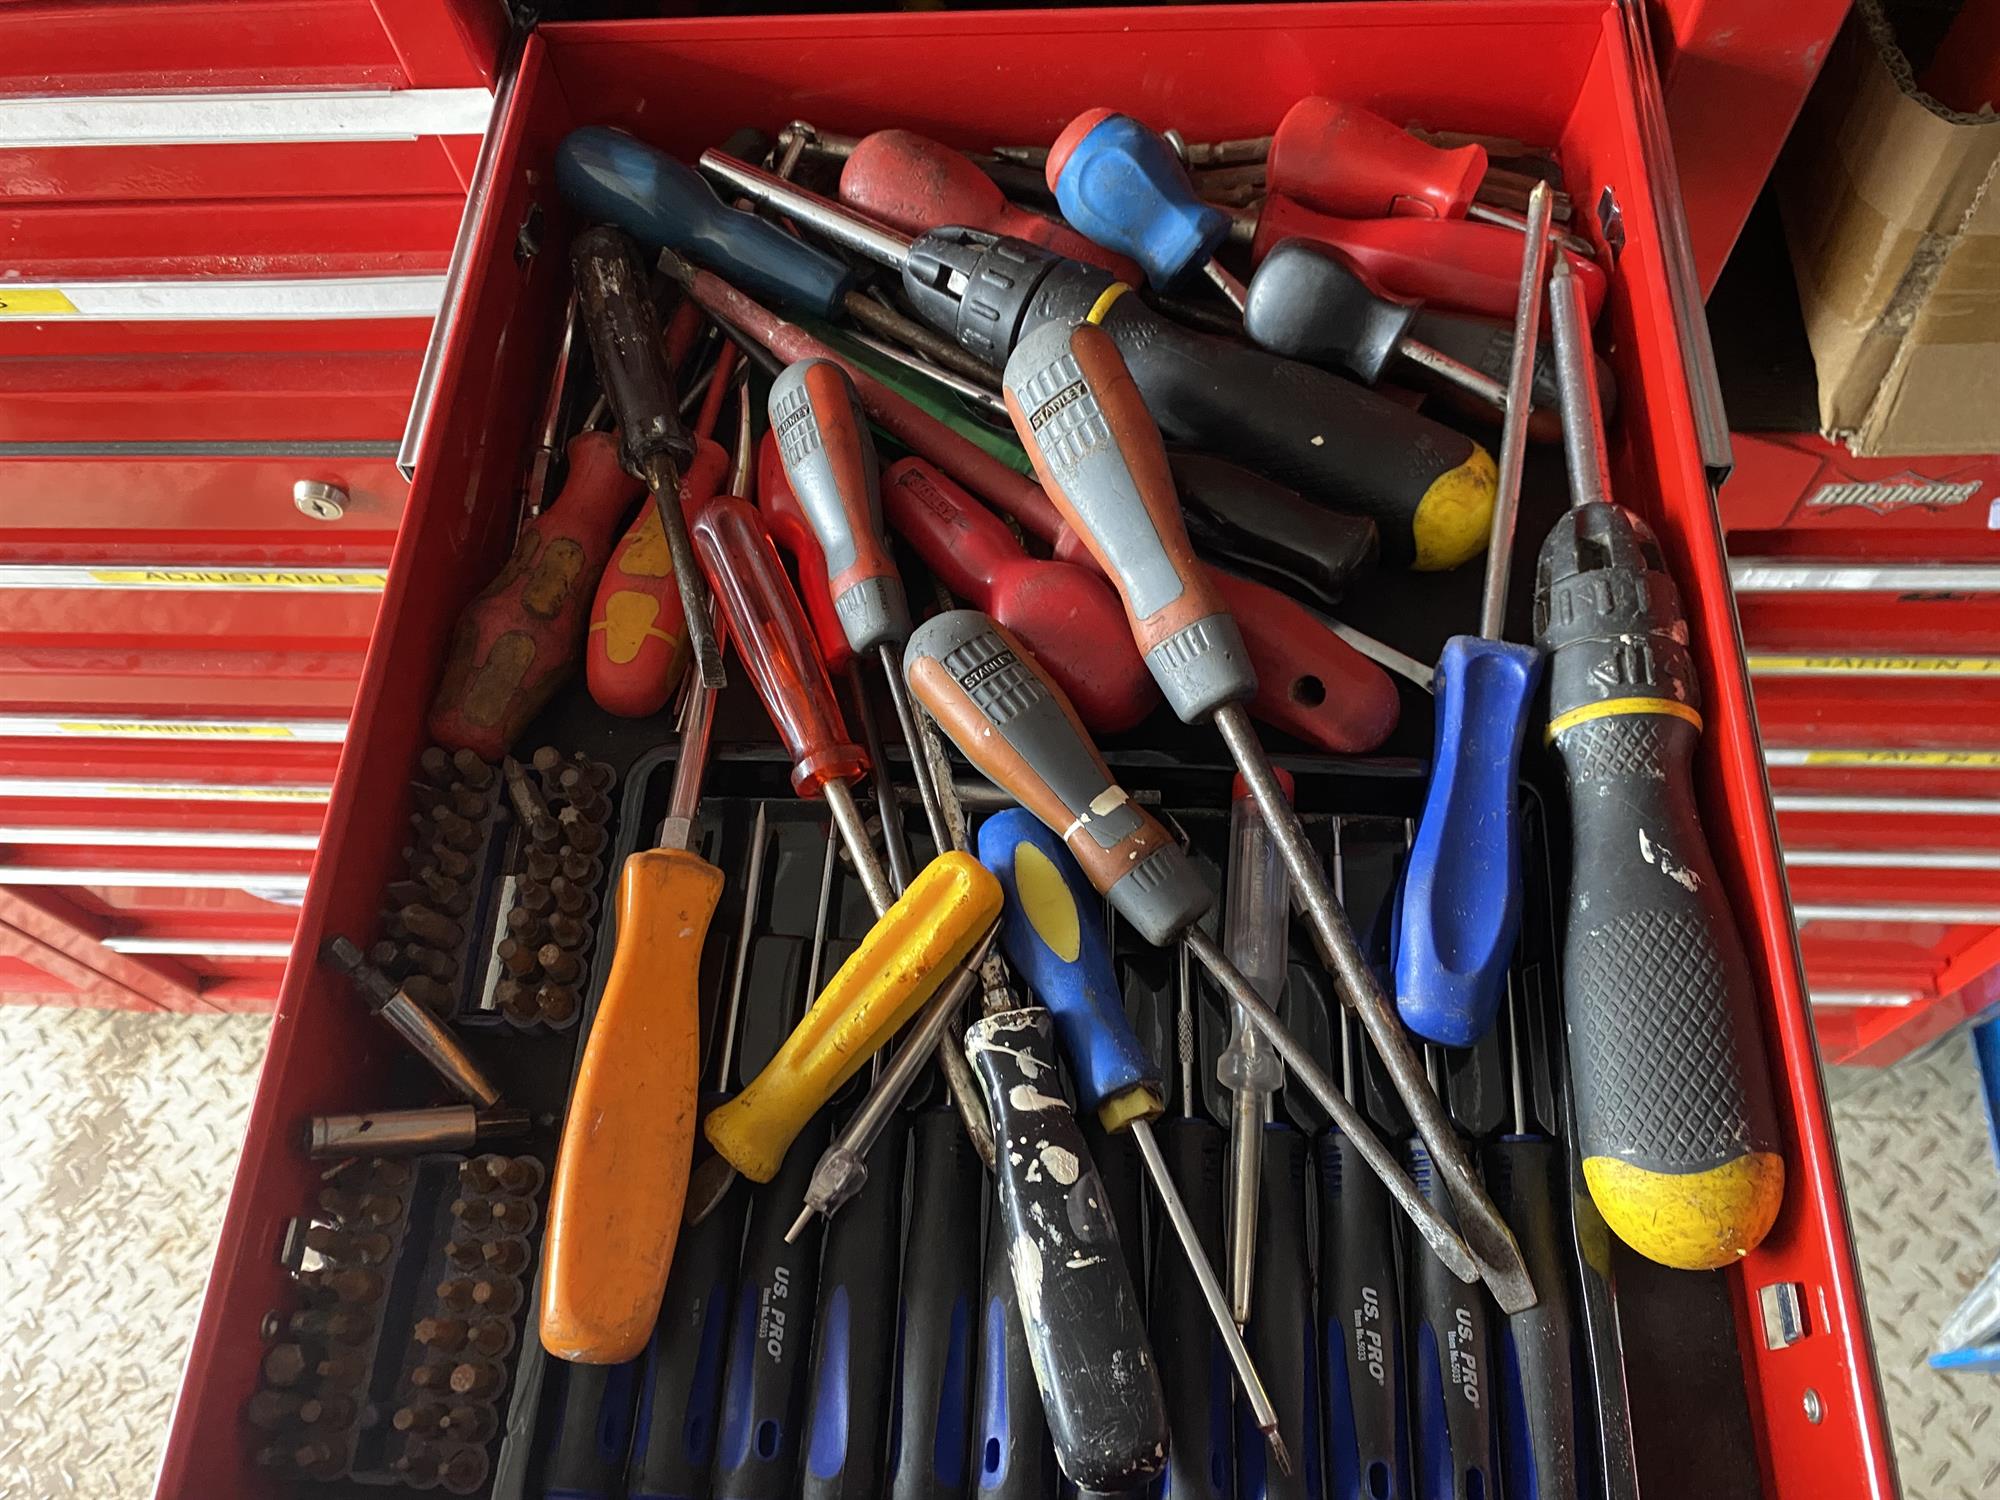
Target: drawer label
[(1875, 665), (357, 579), (33, 301), (1961, 759)]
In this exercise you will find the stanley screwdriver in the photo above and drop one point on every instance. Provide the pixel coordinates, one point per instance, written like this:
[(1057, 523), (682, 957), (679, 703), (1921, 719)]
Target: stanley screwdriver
[(1674, 1114), (621, 1172), (1084, 423), (625, 347), (1054, 934), (1011, 722), (1461, 905), (1427, 487)]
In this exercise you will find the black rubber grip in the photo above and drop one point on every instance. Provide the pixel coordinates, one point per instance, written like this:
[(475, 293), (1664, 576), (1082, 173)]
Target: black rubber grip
[(1526, 1176), (1361, 1315), (1451, 1365), (930, 1424), (1665, 1051), (1194, 1367), (1305, 302), (854, 1335), (1100, 1388), (593, 1430), (1119, 1169), (1281, 1332), (770, 1339), (624, 333), (680, 1396), (1271, 533), (1012, 1456)]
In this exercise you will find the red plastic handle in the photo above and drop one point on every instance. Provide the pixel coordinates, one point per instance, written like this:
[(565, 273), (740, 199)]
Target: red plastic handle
[(914, 184), (1452, 263), (775, 643), (518, 641), (1067, 615), (1342, 159), (637, 645), (794, 536)]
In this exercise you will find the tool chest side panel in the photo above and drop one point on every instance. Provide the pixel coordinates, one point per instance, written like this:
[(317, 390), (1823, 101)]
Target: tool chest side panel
[(685, 84)]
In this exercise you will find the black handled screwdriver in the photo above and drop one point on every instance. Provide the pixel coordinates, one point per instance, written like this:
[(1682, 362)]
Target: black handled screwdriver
[(1013, 1457)]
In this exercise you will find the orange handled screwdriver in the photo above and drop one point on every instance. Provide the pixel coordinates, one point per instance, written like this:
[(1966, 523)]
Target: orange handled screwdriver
[(621, 1172)]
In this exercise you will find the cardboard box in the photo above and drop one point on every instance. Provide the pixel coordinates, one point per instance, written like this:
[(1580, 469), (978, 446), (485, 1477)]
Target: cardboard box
[(1894, 231)]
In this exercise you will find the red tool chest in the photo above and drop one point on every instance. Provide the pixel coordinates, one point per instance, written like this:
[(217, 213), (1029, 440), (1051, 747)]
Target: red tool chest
[(1543, 70)]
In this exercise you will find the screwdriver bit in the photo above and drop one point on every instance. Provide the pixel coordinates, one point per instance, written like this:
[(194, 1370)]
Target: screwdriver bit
[(473, 771)]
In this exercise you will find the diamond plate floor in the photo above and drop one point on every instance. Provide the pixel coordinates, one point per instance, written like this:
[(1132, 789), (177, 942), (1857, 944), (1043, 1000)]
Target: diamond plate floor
[(1924, 1196), (119, 1134)]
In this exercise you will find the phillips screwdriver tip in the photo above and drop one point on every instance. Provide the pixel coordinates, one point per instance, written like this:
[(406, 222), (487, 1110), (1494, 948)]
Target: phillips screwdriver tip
[(1280, 1454)]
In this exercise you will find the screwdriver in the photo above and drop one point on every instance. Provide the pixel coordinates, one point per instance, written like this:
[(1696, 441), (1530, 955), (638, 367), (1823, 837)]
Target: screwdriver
[(1066, 614), (625, 348), (1269, 532), (1674, 1115), (1082, 421), (621, 1172), (1054, 936), (1311, 683), (836, 476), (1011, 722), (1427, 487), (1529, 1178), (913, 183), (1461, 893), (1256, 922), (673, 1440), (1013, 1457), (1121, 184), (518, 641)]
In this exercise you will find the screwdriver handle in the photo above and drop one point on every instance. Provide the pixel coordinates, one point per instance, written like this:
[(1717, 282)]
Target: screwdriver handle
[(1121, 184), (1067, 614), (593, 1428), (680, 1394), (1194, 1366), (661, 201), (1306, 301), (786, 522), (1674, 1113), (913, 183), (1529, 1180), (624, 331), (993, 700), (1011, 1435), (1100, 1387), (1449, 263), (829, 454), (517, 642), (1100, 458), (1281, 1332), (1461, 906), (1053, 934), (1272, 533), (776, 646), (1342, 159), (637, 644), (1451, 1368), (912, 949), (628, 1139), (1361, 1311)]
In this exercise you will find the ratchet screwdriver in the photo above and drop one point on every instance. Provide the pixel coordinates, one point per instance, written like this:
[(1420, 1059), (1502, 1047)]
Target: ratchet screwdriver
[(1675, 1120), (994, 702), (1310, 682), (1082, 420), (1427, 487), (621, 1171), (1461, 901), (625, 348)]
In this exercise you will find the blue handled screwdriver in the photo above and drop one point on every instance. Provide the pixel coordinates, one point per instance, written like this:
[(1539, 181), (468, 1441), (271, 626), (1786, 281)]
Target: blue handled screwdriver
[(1053, 934), (1461, 908)]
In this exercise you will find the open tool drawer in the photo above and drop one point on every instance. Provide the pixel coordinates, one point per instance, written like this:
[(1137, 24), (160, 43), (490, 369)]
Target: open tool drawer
[(1550, 71)]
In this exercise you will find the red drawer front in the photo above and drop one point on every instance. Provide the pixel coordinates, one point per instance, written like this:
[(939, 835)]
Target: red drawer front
[(1543, 70)]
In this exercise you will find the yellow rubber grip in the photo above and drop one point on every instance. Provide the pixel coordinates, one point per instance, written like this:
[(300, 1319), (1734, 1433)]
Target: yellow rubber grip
[(628, 1139), (907, 954), (1692, 1221)]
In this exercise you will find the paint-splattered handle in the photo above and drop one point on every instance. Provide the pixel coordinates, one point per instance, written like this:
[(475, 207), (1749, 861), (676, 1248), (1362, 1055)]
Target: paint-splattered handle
[(1100, 1387)]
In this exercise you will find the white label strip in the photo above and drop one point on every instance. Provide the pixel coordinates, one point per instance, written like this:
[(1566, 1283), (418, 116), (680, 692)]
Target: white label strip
[(215, 299), (1888, 758), (212, 577), (1754, 576), (1973, 916), (1892, 859), (1865, 664), (1880, 999), (1950, 807), (72, 120), (49, 726), (76, 837), (206, 947), (261, 881), (154, 791)]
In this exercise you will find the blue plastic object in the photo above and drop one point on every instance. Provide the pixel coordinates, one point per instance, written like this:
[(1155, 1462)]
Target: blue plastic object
[(1063, 955), (1123, 187), (661, 201), (1461, 906)]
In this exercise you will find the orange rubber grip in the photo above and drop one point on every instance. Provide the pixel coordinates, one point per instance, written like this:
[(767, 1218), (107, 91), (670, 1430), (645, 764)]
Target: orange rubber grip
[(637, 645), (628, 1140)]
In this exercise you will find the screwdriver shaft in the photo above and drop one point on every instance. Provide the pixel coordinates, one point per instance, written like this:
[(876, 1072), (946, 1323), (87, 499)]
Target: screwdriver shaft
[(854, 833), (664, 480), (1514, 432), (1582, 405), (1459, 373), (889, 807), (914, 735)]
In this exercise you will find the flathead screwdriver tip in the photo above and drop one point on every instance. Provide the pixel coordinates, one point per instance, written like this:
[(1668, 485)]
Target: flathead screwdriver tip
[(706, 1187), (799, 1225)]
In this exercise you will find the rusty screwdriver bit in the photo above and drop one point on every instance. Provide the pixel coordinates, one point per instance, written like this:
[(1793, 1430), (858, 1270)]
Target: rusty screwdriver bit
[(346, 1325), (582, 870), (443, 891), (514, 1174), (505, 1257), (346, 1284), (548, 760), (541, 864), (478, 1174), (526, 926), (572, 898), (455, 1294), (454, 831), (366, 1248), (467, 1423), (476, 1378), (517, 956), (388, 1174), (499, 1295), (534, 897), (557, 1003), (387, 956), (419, 1417), (515, 1215), (491, 1337), (467, 803), (433, 962), (434, 997), (445, 1335), (369, 1210), (402, 892), (271, 1410), (430, 926), (516, 998), (465, 1255), (600, 773), (559, 963), (566, 931), (346, 1368), (474, 1213), (418, 1464), (463, 1470), (473, 771), (328, 1411), (522, 792), (436, 765), (579, 833), (434, 1376), (450, 862)]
